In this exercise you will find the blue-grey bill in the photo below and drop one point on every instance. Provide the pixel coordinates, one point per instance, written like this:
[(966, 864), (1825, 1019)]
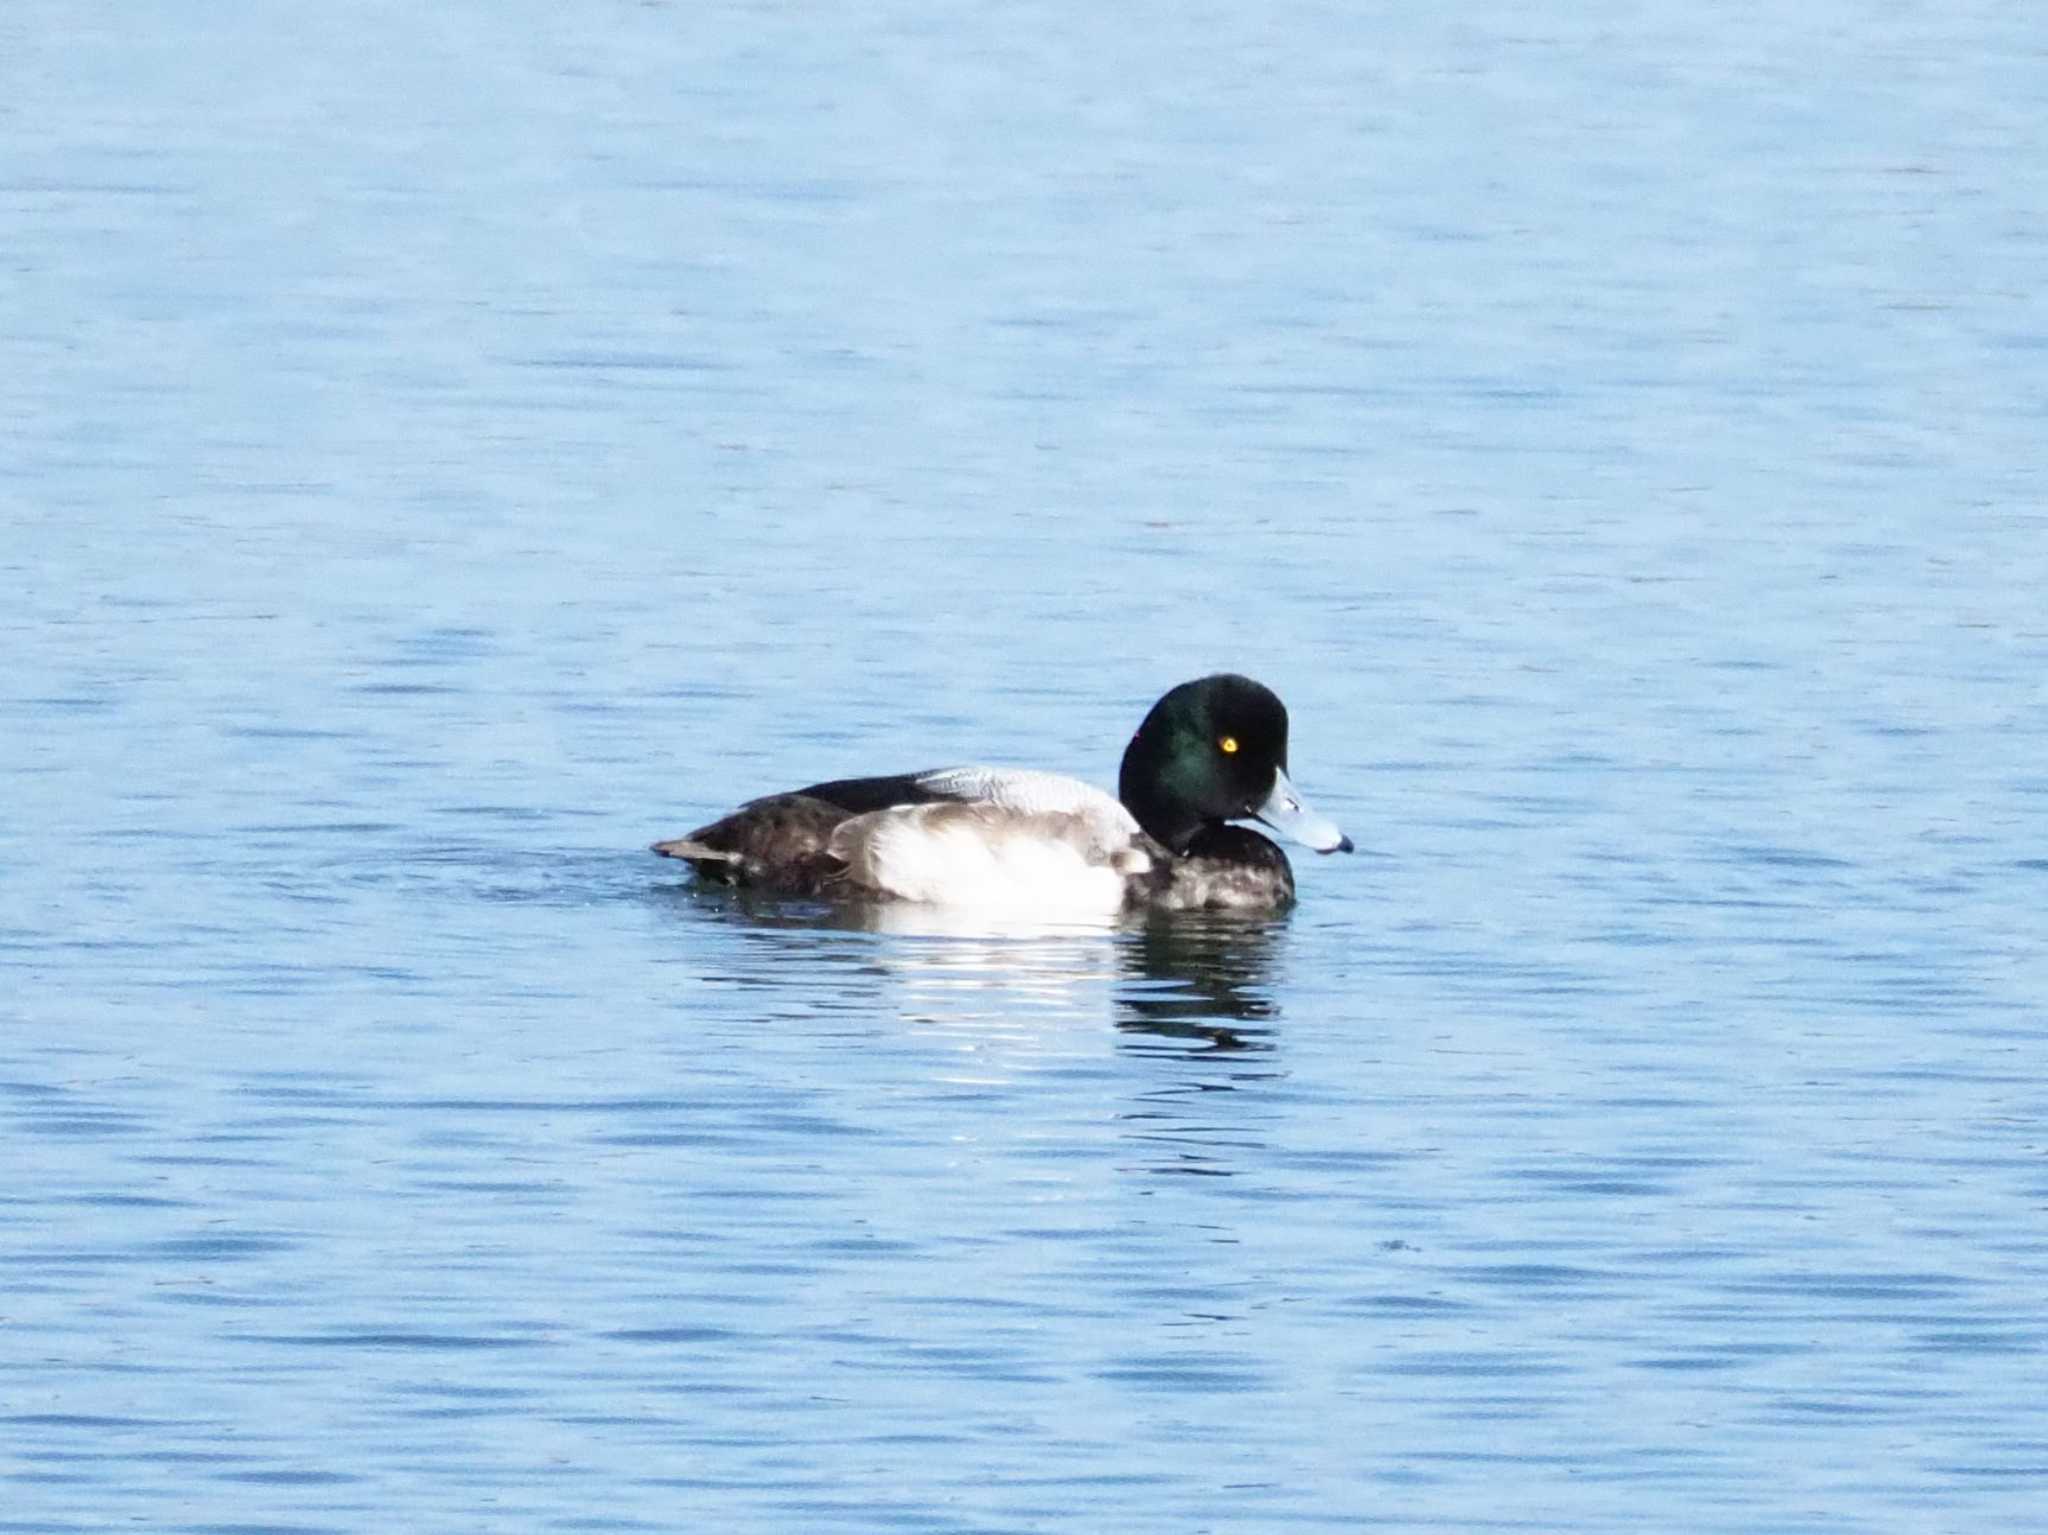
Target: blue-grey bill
[(1289, 814)]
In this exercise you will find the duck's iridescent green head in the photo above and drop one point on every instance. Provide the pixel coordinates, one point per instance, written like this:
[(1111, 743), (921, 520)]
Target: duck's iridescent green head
[(1215, 750)]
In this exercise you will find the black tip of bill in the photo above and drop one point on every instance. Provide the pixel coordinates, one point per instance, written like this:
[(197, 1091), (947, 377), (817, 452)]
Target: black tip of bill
[(1289, 814)]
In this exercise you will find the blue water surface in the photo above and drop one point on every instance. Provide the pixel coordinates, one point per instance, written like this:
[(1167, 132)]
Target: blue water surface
[(444, 448)]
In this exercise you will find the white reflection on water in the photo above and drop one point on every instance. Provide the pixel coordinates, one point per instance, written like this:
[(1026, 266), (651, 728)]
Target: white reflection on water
[(1009, 1002), (1190, 976)]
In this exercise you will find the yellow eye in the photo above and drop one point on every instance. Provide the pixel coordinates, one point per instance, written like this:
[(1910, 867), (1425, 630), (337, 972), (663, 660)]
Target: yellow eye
[(1227, 745)]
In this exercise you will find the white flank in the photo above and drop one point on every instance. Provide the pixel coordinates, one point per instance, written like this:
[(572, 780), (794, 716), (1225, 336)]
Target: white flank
[(1047, 865)]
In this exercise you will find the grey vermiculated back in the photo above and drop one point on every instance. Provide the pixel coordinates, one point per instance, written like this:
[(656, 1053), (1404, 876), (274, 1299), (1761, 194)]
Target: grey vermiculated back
[(1032, 791)]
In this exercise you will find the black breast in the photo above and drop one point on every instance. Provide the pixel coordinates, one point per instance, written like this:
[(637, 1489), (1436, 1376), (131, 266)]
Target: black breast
[(1226, 868)]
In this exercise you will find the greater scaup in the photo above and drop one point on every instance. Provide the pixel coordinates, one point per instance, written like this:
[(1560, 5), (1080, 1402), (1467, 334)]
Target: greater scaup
[(1211, 751)]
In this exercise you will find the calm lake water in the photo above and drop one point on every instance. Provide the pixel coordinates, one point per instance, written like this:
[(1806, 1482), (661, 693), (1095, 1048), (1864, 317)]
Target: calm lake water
[(443, 449)]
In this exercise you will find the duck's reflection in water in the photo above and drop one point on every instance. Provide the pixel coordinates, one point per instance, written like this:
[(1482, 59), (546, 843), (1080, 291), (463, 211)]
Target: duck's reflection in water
[(985, 968), (1197, 991), (1201, 978), (1186, 980), (984, 974), (1193, 993)]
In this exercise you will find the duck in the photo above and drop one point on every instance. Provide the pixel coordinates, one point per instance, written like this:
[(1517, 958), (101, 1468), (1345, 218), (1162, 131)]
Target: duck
[(1209, 753)]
